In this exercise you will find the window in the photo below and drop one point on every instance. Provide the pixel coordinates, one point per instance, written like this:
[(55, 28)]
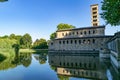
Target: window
[(63, 42), (79, 41), (69, 33), (73, 33), (75, 41), (81, 33), (62, 34), (77, 33), (93, 31), (95, 8), (94, 20), (83, 41), (95, 24), (94, 12), (93, 40), (66, 34), (67, 41), (85, 32), (71, 41), (89, 32), (94, 16), (88, 41), (51, 43), (59, 42)]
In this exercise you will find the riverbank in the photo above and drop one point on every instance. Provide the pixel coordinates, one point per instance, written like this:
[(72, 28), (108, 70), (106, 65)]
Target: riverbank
[(33, 50)]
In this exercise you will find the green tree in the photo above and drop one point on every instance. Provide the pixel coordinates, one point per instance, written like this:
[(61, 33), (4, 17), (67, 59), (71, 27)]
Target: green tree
[(64, 26), (26, 41), (111, 12), (12, 36), (40, 44), (61, 26), (53, 36), (3, 0)]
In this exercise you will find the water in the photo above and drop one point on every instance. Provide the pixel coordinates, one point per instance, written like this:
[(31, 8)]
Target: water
[(27, 66)]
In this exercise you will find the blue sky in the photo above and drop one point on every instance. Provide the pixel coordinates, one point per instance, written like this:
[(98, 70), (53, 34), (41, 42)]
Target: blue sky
[(39, 18)]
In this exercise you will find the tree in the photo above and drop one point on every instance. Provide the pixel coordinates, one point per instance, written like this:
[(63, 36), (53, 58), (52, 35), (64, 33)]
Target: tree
[(111, 12), (40, 44), (64, 26), (53, 36), (3, 0), (26, 41), (61, 26)]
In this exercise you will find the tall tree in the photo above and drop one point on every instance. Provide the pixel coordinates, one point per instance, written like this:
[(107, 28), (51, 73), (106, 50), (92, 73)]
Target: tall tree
[(26, 41), (111, 12)]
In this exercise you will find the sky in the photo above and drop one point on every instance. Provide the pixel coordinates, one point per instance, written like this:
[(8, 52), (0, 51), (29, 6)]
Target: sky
[(40, 18)]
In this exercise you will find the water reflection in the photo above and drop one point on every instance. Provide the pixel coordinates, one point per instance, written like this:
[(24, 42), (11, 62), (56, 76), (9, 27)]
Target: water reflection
[(78, 66), (42, 58), (13, 61)]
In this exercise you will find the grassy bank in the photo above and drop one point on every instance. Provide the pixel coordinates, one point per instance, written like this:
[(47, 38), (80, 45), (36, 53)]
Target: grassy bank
[(7, 52), (34, 50)]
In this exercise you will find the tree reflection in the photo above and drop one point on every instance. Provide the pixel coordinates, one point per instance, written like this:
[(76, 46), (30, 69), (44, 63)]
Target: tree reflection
[(23, 58), (42, 58), (2, 57)]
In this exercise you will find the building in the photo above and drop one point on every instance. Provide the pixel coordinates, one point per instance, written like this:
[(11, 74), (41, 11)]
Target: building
[(83, 39), (78, 66)]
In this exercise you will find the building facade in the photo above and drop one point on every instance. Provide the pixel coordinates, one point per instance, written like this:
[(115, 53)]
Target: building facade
[(88, 38)]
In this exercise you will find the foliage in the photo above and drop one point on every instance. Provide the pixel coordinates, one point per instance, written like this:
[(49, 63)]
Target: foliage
[(2, 57), (111, 12), (3, 0), (61, 26), (7, 43), (53, 36), (26, 41), (64, 26), (40, 44)]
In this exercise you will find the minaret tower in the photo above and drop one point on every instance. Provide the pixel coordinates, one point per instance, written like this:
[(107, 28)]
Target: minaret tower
[(95, 15)]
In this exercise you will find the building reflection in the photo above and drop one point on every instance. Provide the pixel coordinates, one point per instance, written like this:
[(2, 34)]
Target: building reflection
[(78, 66)]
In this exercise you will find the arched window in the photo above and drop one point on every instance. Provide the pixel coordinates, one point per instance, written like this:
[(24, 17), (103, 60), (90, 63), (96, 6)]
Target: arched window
[(67, 41), (69, 33), (93, 31), (89, 32), (83, 41), (77, 33), (71, 41), (51, 43), (73, 33), (63, 42), (66, 34), (75, 41), (85, 32), (81, 33), (59, 42), (62, 34), (93, 40), (88, 41), (79, 41)]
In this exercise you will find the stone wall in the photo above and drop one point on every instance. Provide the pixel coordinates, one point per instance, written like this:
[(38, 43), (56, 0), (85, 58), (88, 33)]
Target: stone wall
[(81, 32), (90, 43)]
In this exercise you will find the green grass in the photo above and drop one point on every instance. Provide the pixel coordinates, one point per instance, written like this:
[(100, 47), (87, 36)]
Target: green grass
[(33, 50)]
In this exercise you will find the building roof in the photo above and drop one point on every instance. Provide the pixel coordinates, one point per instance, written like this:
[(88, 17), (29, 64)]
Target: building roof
[(92, 27), (108, 36)]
